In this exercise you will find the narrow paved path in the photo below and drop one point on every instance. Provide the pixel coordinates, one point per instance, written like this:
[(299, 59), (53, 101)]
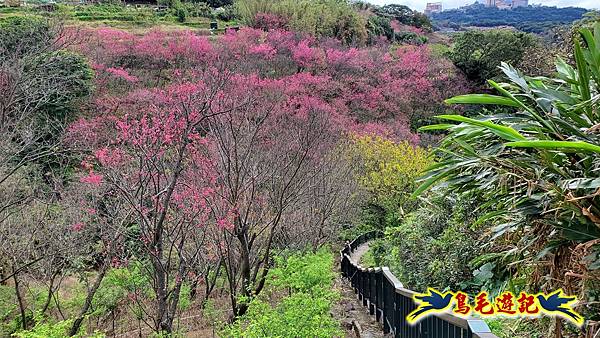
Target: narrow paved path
[(350, 309), (359, 252)]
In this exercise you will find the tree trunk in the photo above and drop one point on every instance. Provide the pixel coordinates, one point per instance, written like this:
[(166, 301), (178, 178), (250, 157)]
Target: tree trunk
[(210, 284), (194, 289), (162, 320), (242, 307), (50, 292), (88, 299), (3, 279), (20, 301)]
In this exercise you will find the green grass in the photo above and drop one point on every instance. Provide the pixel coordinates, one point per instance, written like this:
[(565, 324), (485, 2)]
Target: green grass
[(368, 259), (519, 328), (122, 17), (306, 280)]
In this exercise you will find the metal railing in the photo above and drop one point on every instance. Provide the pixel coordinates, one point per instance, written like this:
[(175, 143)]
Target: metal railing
[(390, 303)]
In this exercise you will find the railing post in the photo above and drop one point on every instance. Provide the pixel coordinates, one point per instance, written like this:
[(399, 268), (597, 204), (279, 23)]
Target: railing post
[(386, 304), (359, 283), (353, 276), (379, 299), (356, 277), (371, 293), (397, 313), (365, 287), (346, 266)]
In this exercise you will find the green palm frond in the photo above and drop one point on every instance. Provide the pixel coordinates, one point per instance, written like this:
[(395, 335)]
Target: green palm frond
[(537, 165)]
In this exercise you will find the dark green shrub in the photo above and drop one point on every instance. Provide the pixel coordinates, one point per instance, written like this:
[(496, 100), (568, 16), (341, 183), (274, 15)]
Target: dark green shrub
[(72, 75), (479, 53), (20, 35), (410, 38), (219, 3), (226, 13), (181, 13), (197, 10), (405, 15), (432, 246), (379, 26)]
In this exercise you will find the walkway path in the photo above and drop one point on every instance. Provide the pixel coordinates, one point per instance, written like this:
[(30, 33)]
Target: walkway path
[(359, 252), (350, 310)]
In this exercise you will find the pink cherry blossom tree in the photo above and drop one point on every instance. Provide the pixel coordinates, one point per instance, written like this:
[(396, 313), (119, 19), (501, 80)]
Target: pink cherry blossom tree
[(269, 153), (154, 164), (223, 152)]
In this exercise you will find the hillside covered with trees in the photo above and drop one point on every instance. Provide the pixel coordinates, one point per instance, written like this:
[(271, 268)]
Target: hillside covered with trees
[(162, 178), (533, 19)]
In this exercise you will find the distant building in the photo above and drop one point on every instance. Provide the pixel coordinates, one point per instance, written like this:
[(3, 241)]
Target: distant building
[(506, 4), (520, 3), (433, 7)]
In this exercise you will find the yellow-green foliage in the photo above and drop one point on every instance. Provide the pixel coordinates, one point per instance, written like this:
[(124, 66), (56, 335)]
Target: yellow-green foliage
[(304, 312), (331, 18), (49, 329), (389, 169)]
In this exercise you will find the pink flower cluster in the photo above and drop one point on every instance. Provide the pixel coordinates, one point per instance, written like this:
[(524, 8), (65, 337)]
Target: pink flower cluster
[(121, 73), (92, 178), (372, 84), (181, 76)]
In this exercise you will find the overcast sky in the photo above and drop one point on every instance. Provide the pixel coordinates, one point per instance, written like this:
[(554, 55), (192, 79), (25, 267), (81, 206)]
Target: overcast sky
[(420, 4)]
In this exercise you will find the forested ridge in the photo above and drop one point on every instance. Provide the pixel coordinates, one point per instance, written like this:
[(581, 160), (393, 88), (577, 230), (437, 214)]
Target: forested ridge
[(162, 177), (533, 19)]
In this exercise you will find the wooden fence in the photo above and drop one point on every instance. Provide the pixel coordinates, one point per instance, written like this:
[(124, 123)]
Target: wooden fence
[(390, 302)]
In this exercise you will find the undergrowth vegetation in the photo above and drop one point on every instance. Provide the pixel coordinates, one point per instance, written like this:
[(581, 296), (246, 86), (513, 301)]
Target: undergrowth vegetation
[(297, 301)]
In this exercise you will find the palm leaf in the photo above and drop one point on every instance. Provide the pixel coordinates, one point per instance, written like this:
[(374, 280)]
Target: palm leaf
[(533, 113), (441, 126), (542, 144), (482, 99), (429, 182), (504, 132), (580, 183), (584, 76)]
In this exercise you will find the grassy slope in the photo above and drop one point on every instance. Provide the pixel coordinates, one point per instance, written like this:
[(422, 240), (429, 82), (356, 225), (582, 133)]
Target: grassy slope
[(125, 19)]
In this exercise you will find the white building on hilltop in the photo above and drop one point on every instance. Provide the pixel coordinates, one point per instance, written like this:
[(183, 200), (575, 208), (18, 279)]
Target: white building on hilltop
[(433, 7), (506, 4)]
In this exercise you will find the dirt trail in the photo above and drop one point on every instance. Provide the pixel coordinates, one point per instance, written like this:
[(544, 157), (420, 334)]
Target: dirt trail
[(350, 309)]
